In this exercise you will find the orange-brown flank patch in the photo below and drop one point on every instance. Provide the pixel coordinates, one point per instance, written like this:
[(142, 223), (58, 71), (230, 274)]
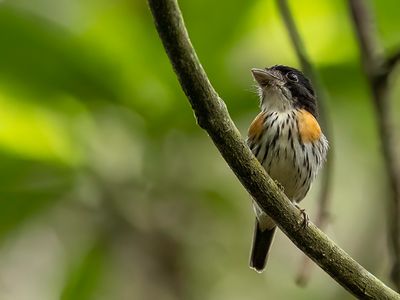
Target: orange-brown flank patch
[(308, 126), (256, 127)]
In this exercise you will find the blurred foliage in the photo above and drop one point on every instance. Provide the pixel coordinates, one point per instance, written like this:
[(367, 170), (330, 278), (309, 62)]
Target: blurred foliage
[(82, 281), (110, 190)]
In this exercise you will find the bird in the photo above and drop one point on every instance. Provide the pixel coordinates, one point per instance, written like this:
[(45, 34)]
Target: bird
[(287, 140)]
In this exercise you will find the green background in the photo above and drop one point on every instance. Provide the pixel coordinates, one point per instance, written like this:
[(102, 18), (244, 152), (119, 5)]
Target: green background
[(109, 190)]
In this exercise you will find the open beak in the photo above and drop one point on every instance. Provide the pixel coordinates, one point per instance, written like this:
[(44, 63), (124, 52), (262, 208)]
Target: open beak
[(265, 76)]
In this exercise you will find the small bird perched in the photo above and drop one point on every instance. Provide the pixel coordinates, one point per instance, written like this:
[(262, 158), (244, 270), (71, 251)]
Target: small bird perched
[(287, 140)]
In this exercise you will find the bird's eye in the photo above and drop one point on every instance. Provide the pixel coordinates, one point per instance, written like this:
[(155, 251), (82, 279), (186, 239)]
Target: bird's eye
[(292, 77)]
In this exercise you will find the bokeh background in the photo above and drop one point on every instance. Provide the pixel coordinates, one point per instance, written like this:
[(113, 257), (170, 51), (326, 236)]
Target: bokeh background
[(109, 190)]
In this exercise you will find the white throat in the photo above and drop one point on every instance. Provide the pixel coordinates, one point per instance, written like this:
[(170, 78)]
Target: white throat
[(273, 99)]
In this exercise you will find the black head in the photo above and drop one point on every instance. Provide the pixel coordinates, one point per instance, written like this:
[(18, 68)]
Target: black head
[(291, 83)]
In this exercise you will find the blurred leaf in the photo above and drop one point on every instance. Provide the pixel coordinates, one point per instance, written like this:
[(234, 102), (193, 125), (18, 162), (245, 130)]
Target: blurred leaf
[(27, 189), (38, 56), (83, 279), (386, 13), (36, 132)]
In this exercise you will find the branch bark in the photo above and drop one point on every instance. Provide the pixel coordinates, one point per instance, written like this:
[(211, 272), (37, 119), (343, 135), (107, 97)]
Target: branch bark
[(212, 115), (324, 194), (377, 70)]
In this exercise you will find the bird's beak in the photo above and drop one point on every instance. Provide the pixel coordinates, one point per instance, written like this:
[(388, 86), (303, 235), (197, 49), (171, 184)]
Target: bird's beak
[(266, 77)]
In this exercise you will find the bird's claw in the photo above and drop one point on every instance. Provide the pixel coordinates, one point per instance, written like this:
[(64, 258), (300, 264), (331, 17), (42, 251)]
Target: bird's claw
[(306, 218), (280, 186)]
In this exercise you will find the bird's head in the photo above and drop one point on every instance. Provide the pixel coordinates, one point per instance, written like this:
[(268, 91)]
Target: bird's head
[(283, 88)]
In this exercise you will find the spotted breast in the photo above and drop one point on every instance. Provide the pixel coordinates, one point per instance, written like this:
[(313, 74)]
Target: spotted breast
[(291, 148)]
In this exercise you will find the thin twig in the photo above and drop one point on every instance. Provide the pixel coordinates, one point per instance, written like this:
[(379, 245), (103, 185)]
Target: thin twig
[(377, 73), (306, 65), (296, 40), (212, 115)]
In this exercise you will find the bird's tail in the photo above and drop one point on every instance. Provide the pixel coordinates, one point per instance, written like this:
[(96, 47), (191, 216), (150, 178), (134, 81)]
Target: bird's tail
[(262, 241)]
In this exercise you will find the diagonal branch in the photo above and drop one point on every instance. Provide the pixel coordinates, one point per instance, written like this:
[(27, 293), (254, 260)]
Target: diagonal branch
[(324, 195), (296, 40), (377, 74), (212, 115)]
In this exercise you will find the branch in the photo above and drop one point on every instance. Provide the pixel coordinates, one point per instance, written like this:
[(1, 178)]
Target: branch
[(297, 42), (374, 67), (212, 115), (309, 70)]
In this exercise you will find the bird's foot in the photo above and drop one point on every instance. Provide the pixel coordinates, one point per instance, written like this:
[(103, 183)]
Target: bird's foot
[(280, 186), (306, 218)]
